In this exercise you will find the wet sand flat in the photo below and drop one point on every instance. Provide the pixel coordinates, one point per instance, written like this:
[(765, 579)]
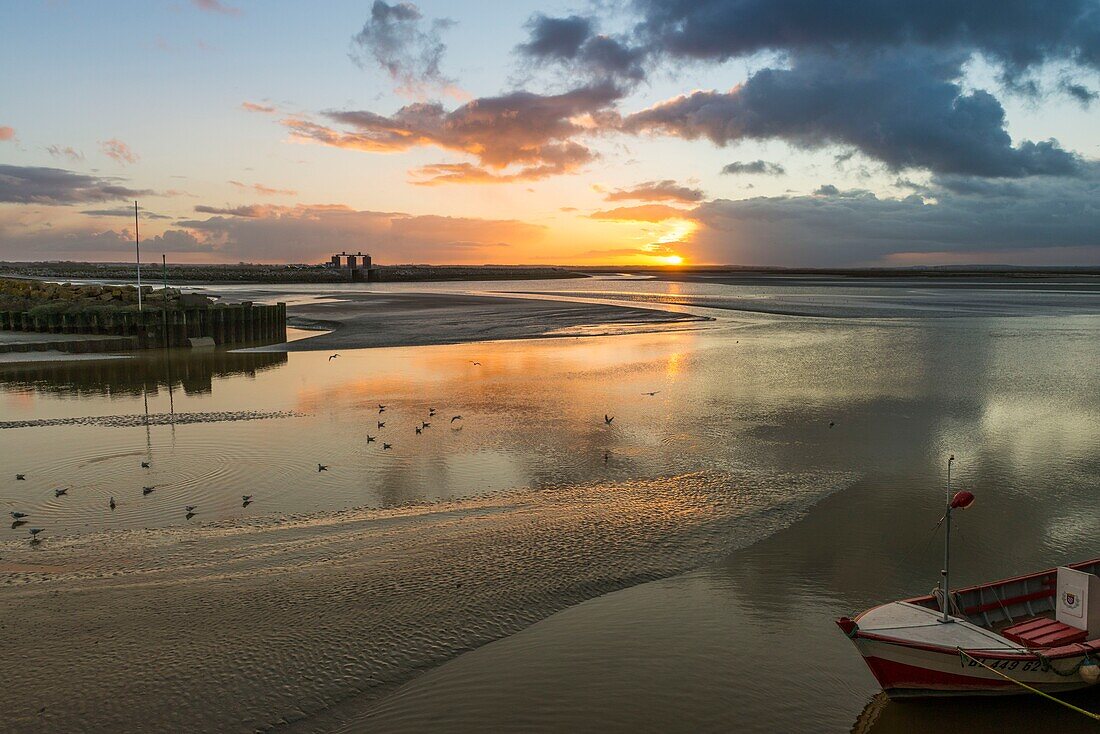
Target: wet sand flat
[(413, 319), (247, 625)]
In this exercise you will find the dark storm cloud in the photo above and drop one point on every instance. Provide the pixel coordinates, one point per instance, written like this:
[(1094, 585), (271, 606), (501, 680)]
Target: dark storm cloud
[(838, 228), (754, 167), (574, 43), (401, 41), (1017, 33), (35, 185), (903, 108)]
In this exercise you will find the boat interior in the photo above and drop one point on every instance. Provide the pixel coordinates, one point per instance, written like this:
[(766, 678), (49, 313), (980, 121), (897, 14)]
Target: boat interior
[(1032, 610)]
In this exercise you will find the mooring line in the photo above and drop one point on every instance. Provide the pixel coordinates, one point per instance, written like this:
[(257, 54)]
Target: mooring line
[(1067, 704)]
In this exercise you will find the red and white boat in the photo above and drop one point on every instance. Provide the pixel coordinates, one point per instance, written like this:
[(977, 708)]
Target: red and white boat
[(1041, 630)]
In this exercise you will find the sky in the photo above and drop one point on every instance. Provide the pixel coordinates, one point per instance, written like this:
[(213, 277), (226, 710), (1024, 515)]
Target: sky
[(794, 133)]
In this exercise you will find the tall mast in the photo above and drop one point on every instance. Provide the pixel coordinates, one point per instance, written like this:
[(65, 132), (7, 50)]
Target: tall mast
[(947, 548), (137, 248)]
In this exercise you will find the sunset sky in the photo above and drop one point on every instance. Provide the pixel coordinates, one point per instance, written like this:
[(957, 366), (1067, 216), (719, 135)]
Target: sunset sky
[(755, 132)]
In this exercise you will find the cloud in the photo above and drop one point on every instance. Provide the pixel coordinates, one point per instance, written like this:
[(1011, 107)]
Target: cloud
[(666, 190), (7, 133), (1079, 92), (308, 233), (827, 190), (254, 107), (125, 212), (641, 213), (531, 131), (1017, 34), (215, 6), (845, 228), (903, 109), (118, 150), (35, 185), (58, 151), (573, 43), (264, 190), (410, 50), (757, 166), (91, 242)]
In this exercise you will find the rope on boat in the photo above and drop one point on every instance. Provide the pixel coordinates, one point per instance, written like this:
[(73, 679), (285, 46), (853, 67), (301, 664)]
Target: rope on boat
[(1095, 717)]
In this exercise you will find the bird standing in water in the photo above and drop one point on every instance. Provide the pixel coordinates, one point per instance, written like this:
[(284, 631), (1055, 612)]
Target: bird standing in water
[(147, 490), (59, 492), (145, 465), (18, 515), (111, 504)]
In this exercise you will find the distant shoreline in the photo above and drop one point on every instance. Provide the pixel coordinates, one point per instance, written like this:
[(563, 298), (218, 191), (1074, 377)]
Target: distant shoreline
[(272, 274)]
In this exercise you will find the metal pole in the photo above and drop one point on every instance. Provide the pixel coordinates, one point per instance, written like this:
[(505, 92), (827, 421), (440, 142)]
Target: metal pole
[(947, 548), (137, 247), (164, 274)]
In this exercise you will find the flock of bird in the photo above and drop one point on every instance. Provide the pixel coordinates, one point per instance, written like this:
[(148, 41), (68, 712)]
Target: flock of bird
[(20, 518)]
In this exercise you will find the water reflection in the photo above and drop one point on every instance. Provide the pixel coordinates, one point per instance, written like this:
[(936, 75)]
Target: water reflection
[(192, 370)]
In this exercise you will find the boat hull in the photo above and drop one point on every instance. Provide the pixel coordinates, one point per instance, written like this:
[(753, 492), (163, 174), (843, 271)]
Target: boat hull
[(905, 671)]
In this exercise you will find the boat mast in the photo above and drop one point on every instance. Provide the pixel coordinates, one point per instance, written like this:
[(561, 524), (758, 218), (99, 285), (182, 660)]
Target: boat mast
[(947, 548), (137, 249)]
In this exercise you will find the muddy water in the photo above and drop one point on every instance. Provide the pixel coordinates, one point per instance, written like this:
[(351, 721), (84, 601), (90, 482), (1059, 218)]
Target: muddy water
[(831, 519)]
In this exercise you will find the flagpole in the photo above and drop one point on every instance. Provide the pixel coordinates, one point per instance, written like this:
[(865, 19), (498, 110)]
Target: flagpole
[(137, 248)]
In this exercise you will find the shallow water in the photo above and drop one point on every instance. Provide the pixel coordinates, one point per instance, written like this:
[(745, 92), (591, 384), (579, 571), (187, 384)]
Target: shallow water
[(1015, 395)]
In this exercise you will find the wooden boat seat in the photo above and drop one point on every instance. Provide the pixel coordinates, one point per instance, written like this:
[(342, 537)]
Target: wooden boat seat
[(1043, 632)]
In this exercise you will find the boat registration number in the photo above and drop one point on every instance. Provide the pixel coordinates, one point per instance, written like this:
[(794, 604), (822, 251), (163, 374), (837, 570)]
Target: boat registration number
[(1021, 665)]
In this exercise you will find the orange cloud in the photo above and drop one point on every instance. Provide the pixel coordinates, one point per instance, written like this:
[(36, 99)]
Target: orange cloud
[(531, 131), (118, 150), (253, 107), (265, 190), (641, 213), (666, 190)]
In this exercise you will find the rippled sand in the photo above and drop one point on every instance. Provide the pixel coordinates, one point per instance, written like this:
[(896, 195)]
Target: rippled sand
[(153, 419), (246, 625)]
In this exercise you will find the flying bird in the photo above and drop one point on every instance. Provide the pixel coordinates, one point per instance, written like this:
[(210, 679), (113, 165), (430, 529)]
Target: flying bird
[(608, 418), (147, 490), (332, 357), (381, 408), (425, 424), (59, 492), (475, 364), (418, 430), (18, 515), (111, 504), (322, 467), (431, 412), (455, 418), (831, 424), (370, 438), (381, 424), (387, 446), (651, 394)]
